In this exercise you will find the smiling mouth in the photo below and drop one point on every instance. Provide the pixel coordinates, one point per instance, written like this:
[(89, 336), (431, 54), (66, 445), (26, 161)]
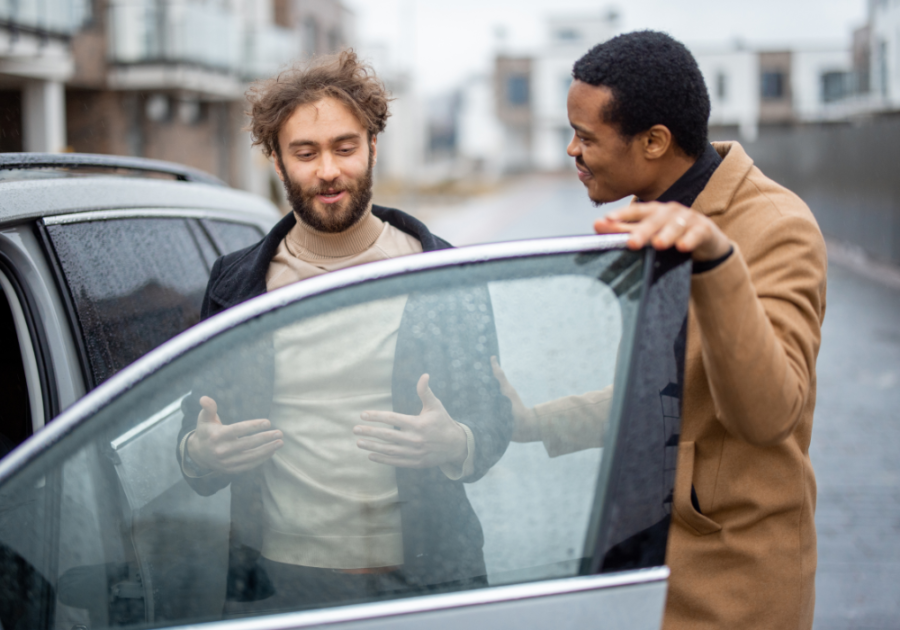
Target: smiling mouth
[(331, 196)]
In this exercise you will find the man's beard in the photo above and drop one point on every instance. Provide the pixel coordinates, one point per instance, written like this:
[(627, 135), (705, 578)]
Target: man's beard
[(335, 217)]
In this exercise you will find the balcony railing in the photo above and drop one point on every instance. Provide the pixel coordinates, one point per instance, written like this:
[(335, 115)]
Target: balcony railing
[(206, 35), (57, 17)]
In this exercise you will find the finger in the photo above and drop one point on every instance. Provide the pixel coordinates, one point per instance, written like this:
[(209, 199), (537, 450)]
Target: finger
[(387, 435), (429, 400), (605, 226), (692, 238), (397, 462), (648, 228), (209, 411), (252, 459), (245, 428), (390, 450), (388, 417), (671, 231), (505, 387), (631, 213), (258, 439)]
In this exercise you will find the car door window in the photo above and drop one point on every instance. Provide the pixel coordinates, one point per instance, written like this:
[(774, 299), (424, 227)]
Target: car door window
[(134, 283), (139, 534), (229, 236)]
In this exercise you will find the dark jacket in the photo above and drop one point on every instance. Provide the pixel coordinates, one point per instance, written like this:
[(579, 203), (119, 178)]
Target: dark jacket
[(448, 334)]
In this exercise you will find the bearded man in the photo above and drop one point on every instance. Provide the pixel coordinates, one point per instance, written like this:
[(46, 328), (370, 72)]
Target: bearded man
[(347, 471)]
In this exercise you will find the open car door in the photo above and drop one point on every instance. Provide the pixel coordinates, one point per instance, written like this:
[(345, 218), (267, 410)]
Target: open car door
[(557, 518)]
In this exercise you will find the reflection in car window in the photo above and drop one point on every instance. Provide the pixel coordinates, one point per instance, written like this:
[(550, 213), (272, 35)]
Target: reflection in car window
[(135, 283), (230, 237), (148, 535)]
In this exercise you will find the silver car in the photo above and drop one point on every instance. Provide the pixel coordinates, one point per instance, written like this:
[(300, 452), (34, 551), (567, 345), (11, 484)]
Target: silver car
[(99, 529)]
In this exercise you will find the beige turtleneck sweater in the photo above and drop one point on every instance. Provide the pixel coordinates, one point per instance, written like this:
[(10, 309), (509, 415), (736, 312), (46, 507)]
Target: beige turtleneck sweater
[(325, 503)]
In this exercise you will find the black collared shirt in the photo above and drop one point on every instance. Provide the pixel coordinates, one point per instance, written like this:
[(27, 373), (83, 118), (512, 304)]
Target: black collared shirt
[(689, 186)]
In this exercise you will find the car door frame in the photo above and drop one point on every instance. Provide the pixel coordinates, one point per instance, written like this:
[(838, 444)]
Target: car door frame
[(666, 284)]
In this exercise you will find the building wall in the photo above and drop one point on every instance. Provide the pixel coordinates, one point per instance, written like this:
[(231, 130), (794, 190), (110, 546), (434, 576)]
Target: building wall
[(809, 69), (732, 79), (885, 50), (846, 173)]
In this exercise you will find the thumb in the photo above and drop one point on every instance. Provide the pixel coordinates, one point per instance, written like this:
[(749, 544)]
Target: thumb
[(209, 412), (499, 374), (429, 400)]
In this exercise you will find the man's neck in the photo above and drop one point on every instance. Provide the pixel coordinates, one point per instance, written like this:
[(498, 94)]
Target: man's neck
[(670, 171)]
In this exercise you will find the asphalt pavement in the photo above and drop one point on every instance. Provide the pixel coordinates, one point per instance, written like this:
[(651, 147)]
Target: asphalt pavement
[(856, 431)]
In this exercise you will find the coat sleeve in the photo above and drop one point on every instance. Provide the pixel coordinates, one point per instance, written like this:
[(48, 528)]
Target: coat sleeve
[(760, 325)]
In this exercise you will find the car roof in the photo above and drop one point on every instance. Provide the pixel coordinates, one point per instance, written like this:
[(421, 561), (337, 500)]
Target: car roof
[(189, 192)]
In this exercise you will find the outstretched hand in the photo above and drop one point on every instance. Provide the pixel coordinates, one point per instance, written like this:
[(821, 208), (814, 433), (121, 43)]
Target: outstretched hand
[(429, 439), (230, 448), (524, 417), (665, 225)]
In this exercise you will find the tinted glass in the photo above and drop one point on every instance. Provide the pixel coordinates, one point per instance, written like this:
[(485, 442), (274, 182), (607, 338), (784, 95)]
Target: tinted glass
[(135, 283), (230, 237), (146, 536)]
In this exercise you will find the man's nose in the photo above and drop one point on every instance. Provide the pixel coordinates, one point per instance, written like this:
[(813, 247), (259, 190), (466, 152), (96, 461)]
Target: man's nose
[(573, 148), (328, 168)]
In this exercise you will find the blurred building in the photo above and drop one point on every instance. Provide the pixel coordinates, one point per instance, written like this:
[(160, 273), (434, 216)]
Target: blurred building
[(751, 88), (516, 120), (35, 63), (154, 78)]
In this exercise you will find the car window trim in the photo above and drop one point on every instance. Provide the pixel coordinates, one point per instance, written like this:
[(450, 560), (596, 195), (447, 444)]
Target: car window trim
[(100, 396), (39, 345), (444, 601), (65, 294), (146, 213)]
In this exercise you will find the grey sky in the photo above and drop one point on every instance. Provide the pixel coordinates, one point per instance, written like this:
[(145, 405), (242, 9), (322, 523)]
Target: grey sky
[(455, 39)]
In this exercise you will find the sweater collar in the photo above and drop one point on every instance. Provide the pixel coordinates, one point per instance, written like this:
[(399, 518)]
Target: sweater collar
[(304, 241)]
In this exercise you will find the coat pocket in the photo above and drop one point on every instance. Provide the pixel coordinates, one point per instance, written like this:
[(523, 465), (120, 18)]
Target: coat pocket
[(684, 479)]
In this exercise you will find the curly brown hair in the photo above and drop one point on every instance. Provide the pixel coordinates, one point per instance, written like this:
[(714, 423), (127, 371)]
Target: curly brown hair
[(342, 76)]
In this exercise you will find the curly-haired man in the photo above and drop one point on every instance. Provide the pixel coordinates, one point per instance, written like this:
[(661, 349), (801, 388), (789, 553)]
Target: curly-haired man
[(347, 476)]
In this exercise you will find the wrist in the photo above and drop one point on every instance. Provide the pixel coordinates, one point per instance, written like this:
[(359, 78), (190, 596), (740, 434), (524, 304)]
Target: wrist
[(461, 450)]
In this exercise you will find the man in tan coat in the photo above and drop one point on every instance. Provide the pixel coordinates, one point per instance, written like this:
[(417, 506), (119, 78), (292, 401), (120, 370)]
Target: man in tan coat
[(742, 541)]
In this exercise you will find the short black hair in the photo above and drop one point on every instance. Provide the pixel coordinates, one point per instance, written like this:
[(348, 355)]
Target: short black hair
[(654, 80)]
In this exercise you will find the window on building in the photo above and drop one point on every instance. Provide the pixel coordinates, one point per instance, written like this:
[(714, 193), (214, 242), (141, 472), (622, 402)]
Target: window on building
[(721, 86), (834, 86), (568, 35), (772, 84), (517, 88)]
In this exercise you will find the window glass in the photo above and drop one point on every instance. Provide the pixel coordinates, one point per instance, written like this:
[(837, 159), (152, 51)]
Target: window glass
[(230, 237), (135, 283), (510, 489)]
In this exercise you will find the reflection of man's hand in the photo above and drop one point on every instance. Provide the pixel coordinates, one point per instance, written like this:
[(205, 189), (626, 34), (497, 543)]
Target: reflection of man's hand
[(430, 439), (230, 448), (526, 427)]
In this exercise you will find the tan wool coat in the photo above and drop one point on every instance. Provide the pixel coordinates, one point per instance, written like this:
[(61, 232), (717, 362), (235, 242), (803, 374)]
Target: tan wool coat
[(748, 558)]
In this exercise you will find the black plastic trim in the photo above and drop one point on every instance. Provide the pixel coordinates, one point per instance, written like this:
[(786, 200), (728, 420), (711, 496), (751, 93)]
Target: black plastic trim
[(38, 338)]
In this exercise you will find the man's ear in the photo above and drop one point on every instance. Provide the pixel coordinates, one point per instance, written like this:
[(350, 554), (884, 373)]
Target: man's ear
[(656, 142), (277, 160), (373, 147)]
